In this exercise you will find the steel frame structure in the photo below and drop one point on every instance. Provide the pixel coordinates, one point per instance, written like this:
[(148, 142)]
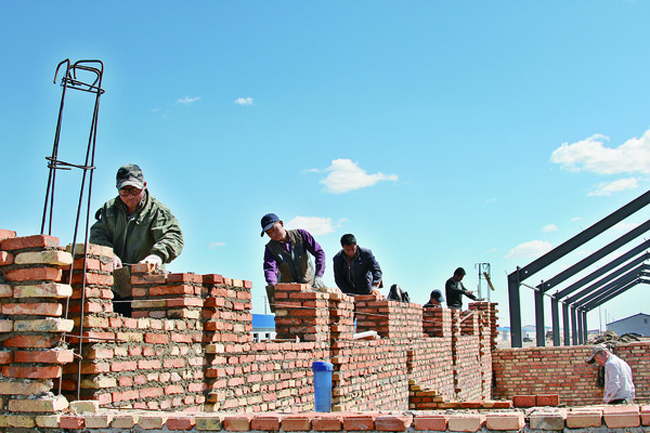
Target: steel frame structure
[(575, 308), (75, 78)]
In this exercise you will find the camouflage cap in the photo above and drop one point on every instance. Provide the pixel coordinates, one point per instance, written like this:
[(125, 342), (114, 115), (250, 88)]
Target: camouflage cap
[(130, 175)]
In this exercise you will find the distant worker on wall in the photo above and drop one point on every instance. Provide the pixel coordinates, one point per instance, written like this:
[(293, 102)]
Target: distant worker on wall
[(619, 387), (286, 259), (356, 271), (435, 300), (454, 290), (139, 228)]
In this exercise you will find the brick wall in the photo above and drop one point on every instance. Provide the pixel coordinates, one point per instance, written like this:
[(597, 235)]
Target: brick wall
[(188, 346), (563, 371)]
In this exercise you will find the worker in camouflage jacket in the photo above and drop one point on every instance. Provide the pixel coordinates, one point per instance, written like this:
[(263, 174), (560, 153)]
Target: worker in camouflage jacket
[(139, 228)]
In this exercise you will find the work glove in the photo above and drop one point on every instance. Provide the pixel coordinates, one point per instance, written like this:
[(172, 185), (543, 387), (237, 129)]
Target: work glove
[(152, 258), (319, 283), (117, 262)]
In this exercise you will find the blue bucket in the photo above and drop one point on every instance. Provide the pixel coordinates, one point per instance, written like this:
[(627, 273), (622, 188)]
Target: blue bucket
[(322, 385)]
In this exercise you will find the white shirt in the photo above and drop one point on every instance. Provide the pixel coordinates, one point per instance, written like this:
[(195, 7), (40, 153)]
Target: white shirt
[(618, 380)]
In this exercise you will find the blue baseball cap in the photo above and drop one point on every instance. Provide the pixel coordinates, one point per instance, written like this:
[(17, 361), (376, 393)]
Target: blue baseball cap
[(267, 221)]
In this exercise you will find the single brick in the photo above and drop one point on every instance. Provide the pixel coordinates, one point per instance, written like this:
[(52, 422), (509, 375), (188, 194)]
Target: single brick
[(36, 241), (626, 416), (393, 422), (466, 422), (237, 422), (505, 421), (53, 257), (584, 418), (524, 400), (36, 309), (46, 290), (34, 274), (46, 357), (548, 399)]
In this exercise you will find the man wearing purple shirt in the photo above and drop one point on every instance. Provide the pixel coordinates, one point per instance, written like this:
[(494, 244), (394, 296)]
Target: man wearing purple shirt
[(286, 259)]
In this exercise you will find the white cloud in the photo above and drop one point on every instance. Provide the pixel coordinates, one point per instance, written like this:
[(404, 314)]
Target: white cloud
[(491, 200), (244, 101), (607, 188), (188, 100), (590, 154), (214, 245), (549, 228), (346, 175), (314, 225), (532, 249)]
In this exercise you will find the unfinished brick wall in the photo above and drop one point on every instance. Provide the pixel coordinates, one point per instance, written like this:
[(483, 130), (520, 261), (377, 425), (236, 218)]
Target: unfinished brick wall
[(188, 346), (563, 371)]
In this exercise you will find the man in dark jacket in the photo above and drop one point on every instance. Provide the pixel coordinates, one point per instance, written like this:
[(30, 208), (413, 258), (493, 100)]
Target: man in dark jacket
[(356, 271), (454, 290), (139, 228)]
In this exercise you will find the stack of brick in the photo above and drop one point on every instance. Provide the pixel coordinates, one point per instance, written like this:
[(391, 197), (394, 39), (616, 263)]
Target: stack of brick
[(436, 322), (371, 374), (302, 313), (490, 319), (171, 296), (32, 326), (93, 303), (391, 319)]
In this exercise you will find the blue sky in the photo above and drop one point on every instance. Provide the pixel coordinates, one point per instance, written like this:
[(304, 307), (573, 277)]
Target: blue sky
[(441, 134)]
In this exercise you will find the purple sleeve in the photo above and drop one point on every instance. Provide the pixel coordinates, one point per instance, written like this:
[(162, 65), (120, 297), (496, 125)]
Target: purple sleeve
[(270, 268), (316, 250)]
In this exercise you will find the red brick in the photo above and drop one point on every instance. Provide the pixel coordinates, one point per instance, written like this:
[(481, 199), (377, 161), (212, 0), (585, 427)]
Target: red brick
[(44, 356), (72, 422), (36, 241), (548, 399), (32, 341), (6, 258), (7, 234), (212, 279), (185, 278), (6, 357), (524, 400), (327, 423), (180, 423), (34, 274), (361, 422), (297, 422), (237, 422), (32, 372), (393, 422), (36, 309), (266, 422), (156, 338)]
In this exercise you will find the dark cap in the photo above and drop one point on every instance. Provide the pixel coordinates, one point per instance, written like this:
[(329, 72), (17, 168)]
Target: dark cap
[(130, 175), (437, 295), (268, 220), (595, 351)]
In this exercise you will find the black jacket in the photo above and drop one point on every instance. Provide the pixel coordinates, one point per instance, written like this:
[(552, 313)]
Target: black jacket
[(355, 276), (454, 291)]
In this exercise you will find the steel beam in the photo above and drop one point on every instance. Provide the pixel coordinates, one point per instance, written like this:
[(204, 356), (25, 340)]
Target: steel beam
[(555, 317), (540, 327), (566, 317), (619, 274), (604, 269), (515, 278)]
